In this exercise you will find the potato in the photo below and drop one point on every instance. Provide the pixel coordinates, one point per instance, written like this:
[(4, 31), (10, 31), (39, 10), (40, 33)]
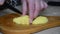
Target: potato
[(24, 20), (40, 20)]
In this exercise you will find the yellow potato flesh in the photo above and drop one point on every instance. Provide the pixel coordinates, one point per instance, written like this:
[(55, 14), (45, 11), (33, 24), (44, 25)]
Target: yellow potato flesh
[(24, 20), (40, 20)]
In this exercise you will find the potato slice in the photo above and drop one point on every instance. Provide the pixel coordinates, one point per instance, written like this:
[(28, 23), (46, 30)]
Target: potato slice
[(40, 20), (22, 20)]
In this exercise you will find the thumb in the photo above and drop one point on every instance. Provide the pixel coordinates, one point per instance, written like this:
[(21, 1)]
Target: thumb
[(2, 2)]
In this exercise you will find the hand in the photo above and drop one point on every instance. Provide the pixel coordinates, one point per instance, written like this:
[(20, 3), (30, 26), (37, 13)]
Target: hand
[(2, 2), (34, 7)]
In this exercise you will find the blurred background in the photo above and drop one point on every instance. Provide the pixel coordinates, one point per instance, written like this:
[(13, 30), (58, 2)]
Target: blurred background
[(52, 10)]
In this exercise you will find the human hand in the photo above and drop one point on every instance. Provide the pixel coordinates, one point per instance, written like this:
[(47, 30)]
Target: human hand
[(34, 7), (2, 2)]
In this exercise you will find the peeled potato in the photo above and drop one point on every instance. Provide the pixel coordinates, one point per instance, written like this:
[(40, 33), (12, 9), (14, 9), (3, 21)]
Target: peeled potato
[(24, 20), (40, 20)]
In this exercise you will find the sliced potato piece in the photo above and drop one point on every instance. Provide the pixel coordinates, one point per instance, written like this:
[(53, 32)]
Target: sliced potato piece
[(22, 20), (40, 20)]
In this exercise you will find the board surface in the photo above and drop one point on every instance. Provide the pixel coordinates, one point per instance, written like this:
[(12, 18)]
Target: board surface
[(7, 24)]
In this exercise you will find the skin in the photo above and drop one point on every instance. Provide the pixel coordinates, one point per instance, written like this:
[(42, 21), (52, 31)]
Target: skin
[(2, 2), (34, 7)]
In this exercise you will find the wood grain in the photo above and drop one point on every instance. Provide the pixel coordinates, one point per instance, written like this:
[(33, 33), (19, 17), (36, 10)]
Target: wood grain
[(9, 27)]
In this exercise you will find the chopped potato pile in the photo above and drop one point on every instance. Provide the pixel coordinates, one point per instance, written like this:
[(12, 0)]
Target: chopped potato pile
[(24, 20)]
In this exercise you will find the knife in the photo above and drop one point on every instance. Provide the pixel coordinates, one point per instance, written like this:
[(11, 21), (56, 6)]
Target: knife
[(7, 5)]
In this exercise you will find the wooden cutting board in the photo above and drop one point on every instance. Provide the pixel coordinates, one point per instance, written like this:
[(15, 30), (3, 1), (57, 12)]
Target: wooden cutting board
[(9, 27)]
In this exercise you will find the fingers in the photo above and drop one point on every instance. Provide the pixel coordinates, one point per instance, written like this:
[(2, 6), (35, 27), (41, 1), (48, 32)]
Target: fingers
[(37, 8), (45, 5), (31, 9), (41, 4), (2, 2), (34, 6), (24, 7)]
